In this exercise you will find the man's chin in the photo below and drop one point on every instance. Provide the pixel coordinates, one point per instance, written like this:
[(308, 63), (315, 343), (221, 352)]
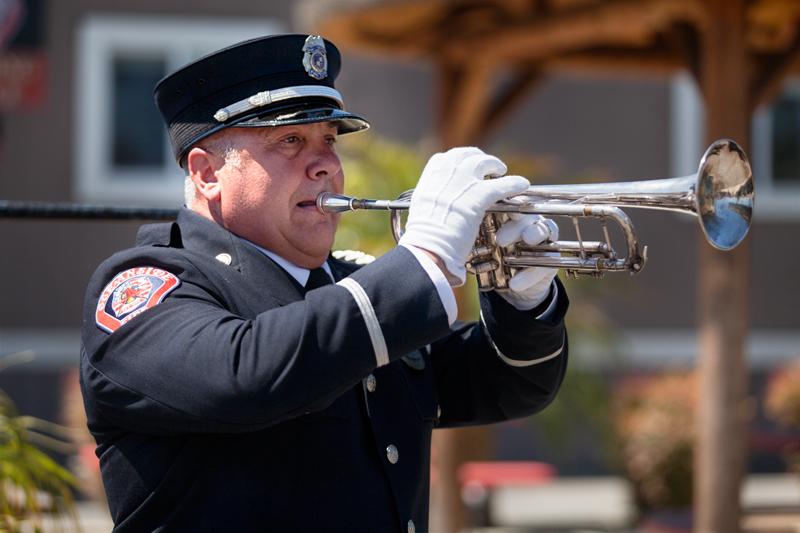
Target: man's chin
[(314, 256)]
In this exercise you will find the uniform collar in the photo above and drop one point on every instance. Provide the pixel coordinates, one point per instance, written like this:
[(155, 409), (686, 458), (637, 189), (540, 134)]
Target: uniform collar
[(205, 236), (198, 234), (299, 273)]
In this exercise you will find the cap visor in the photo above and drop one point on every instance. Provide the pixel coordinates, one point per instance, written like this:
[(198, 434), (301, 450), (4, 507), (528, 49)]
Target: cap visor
[(347, 122)]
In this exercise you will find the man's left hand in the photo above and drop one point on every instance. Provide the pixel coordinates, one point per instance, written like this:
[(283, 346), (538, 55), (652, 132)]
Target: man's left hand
[(530, 286)]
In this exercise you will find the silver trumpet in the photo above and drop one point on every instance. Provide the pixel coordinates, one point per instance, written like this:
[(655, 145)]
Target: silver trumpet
[(720, 194)]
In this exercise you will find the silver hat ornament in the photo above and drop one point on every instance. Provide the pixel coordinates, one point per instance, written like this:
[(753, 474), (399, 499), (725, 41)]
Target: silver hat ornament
[(315, 60)]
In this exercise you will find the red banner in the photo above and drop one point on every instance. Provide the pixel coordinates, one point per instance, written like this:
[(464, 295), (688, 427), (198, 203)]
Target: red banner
[(23, 64), (22, 79)]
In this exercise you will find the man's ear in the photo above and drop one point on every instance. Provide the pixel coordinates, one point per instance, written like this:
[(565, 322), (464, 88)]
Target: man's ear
[(202, 169)]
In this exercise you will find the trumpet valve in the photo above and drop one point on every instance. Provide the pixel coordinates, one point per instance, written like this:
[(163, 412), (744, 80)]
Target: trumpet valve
[(481, 267), (481, 260)]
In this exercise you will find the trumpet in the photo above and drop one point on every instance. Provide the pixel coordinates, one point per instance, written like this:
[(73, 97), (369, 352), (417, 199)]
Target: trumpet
[(721, 195)]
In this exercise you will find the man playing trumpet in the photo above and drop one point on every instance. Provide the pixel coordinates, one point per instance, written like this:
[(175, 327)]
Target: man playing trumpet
[(255, 382)]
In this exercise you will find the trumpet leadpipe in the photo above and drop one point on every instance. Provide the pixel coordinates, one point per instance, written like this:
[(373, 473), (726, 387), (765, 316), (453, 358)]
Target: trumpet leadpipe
[(328, 202)]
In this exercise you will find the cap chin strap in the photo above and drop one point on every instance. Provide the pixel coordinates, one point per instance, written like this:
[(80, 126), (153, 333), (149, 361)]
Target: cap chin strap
[(263, 98)]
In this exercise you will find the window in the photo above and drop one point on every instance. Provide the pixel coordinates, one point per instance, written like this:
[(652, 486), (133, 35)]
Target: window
[(134, 117), (776, 153), (122, 154), (774, 148)]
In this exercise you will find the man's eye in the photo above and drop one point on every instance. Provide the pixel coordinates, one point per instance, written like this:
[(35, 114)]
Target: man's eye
[(292, 139), (332, 140)]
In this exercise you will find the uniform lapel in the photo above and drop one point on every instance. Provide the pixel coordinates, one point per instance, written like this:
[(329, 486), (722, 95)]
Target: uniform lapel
[(258, 271), (263, 273), (336, 270)]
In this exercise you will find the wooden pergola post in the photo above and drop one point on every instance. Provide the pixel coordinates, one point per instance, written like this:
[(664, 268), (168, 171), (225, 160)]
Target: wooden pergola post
[(723, 289)]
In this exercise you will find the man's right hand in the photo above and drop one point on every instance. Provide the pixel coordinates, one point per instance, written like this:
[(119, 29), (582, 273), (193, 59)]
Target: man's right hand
[(450, 201)]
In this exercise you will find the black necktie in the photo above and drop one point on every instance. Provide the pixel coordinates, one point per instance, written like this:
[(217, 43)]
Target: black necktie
[(317, 278)]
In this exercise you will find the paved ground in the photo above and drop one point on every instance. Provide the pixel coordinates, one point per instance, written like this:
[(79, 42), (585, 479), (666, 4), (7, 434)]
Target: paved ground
[(604, 504), (583, 505)]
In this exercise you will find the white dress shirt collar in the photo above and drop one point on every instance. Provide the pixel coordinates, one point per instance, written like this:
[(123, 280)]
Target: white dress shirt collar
[(298, 273)]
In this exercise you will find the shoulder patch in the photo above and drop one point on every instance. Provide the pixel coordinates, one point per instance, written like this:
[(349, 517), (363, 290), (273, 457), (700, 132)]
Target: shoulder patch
[(353, 256), (132, 292)]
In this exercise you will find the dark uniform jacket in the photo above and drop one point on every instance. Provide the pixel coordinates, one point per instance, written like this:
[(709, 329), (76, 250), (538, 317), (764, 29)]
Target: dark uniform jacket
[(238, 404)]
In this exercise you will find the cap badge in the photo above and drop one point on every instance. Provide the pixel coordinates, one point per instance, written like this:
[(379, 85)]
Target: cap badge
[(315, 60)]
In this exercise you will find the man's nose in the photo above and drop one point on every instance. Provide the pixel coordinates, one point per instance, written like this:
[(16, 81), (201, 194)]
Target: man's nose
[(325, 163)]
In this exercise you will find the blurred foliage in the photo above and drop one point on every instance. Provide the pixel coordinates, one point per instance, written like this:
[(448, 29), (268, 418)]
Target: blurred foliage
[(32, 484), (783, 395), (654, 419), (380, 169), (83, 461), (578, 421), (782, 404)]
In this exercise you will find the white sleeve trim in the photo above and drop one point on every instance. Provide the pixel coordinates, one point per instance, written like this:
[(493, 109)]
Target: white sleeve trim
[(443, 287), (546, 313), (516, 362), (370, 319)]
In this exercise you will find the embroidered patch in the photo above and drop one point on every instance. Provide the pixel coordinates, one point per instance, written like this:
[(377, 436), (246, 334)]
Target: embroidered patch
[(130, 293)]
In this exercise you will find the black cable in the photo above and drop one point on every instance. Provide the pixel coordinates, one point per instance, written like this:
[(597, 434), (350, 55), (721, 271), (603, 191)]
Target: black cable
[(20, 209)]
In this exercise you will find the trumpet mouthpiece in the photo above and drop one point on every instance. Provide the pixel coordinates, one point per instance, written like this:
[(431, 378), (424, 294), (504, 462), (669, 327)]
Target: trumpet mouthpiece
[(328, 202)]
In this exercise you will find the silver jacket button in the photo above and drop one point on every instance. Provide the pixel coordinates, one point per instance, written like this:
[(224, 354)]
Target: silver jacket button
[(411, 527), (372, 383), (392, 454)]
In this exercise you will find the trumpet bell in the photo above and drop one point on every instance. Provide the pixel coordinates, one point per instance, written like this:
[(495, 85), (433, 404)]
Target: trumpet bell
[(725, 194)]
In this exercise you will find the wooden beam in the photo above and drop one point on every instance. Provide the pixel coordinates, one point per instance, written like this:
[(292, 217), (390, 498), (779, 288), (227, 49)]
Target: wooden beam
[(722, 291), (772, 24), (615, 62), (533, 33), (404, 29), (684, 40), (448, 77), (612, 22), (465, 97), (509, 99), (772, 71)]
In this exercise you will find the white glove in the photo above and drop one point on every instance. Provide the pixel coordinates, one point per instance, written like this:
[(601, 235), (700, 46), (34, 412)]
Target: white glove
[(449, 203), (530, 286)]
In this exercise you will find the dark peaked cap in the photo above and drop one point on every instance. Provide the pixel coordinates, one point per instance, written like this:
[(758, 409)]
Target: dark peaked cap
[(268, 81)]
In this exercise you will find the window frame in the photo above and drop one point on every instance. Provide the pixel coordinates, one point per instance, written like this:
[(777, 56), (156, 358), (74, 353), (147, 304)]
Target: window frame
[(100, 38)]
